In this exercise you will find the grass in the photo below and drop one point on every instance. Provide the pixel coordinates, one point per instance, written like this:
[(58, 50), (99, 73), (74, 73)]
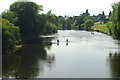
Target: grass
[(101, 28), (18, 47), (99, 23)]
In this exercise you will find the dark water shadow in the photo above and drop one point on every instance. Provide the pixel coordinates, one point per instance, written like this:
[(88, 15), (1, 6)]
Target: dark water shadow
[(67, 43), (28, 62), (114, 61)]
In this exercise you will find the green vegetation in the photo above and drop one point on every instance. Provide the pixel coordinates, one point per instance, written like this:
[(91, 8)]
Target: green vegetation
[(18, 47), (24, 23), (9, 15), (101, 28), (88, 24), (115, 18), (31, 23), (10, 35), (111, 27)]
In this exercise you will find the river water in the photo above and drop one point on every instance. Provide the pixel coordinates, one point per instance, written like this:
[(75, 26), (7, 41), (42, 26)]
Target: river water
[(85, 55)]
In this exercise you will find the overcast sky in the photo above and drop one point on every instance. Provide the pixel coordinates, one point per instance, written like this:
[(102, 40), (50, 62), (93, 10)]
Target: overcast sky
[(69, 7)]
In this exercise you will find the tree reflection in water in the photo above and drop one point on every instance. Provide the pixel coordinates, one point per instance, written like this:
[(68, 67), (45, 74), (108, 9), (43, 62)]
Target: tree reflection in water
[(28, 62), (114, 60)]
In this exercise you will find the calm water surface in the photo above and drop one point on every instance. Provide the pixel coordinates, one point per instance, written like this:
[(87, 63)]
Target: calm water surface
[(85, 55)]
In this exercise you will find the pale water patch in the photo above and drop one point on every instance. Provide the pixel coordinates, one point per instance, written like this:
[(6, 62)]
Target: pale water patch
[(85, 56)]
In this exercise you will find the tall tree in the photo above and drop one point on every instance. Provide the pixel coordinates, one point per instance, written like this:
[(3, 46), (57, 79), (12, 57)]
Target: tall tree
[(51, 23), (27, 13), (88, 24), (10, 35), (9, 15), (115, 17), (79, 21)]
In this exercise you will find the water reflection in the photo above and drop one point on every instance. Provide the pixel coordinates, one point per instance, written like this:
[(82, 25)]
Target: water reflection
[(28, 62), (114, 60), (67, 43), (57, 43)]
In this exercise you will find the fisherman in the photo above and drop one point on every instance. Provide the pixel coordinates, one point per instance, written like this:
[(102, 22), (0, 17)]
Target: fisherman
[(57, 41), (67, 40)]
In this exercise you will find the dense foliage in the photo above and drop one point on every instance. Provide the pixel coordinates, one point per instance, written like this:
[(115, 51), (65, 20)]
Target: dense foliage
[(10, 35), (115, 18), (88, 24), (9, 15), (32, 23), (26, 12)]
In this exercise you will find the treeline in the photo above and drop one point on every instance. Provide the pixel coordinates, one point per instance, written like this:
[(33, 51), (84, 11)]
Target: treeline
[(23, 23), (109, 24), (82, 22), (114, 25)]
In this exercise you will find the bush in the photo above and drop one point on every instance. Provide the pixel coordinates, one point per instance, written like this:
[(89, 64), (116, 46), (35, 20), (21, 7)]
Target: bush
[(10, 34)]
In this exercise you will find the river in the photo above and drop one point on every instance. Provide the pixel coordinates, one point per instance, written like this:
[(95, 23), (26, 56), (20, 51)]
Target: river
[(85, 55)]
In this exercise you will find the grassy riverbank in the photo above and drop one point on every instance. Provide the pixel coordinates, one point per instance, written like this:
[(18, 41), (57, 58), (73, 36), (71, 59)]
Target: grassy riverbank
[(100, 28), (18, 47)]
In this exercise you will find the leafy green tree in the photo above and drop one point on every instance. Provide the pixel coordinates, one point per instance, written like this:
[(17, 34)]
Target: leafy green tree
[(69, 22), (51, 23), (88, 24), (27, 12), (79, 21), (115, 17), (9, 15), (10, 34), (41, 21), (94, 19), (109, 26), (62, 22)]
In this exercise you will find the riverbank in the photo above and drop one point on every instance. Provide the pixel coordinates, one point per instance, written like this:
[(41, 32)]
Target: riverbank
[(101, 28), (18, 47)]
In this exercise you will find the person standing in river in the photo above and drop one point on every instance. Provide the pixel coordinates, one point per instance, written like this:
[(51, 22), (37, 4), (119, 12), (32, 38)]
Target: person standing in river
[(57, 41), (66, 41)]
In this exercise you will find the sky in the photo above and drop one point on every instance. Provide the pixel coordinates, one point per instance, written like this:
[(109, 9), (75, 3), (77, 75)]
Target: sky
[(68, 7)]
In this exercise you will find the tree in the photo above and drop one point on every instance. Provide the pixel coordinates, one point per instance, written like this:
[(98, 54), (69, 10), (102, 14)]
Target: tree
[(69, 23), (27, 13), (115, 17), (9, 15), (94, 19), (62, 22), (109, 26), (51, 23), (10, 35), (79, 21), (88, 24)]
